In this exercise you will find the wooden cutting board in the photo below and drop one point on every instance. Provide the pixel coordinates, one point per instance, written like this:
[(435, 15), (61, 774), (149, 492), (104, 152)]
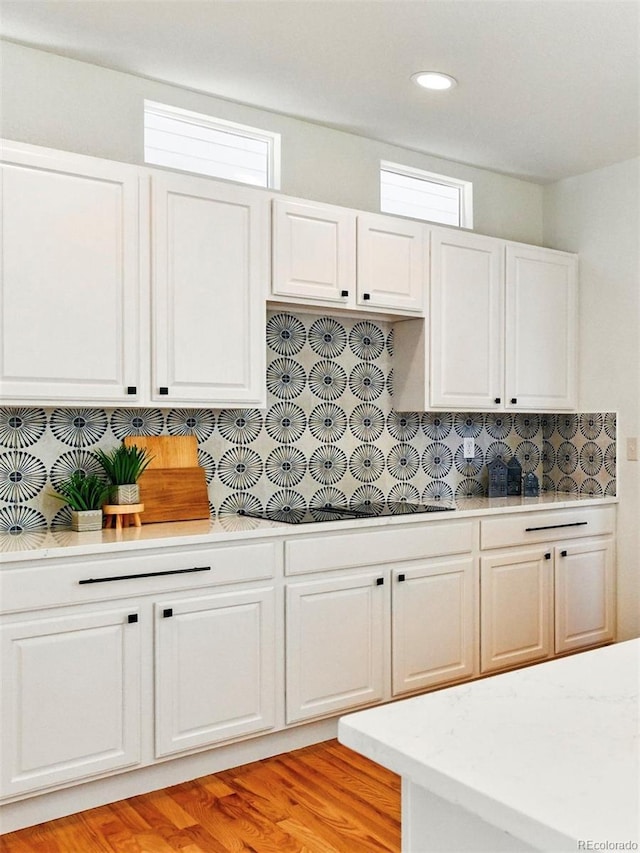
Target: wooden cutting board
[(173, 494), (168, 451)]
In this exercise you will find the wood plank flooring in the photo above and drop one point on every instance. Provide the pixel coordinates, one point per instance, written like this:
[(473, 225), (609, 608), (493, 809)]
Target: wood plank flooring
[(320, 799)]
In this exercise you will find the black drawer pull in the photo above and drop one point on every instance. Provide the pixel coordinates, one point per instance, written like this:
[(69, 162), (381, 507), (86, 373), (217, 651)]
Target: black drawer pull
[(344, 293), (163, 390), (131, 389), (402, 577), (131, 618), (547, 556), (557, 526), (167, 612), (514, 400), (563, 553), (146, 575), (379, 581), (497, 400), (366, 296)]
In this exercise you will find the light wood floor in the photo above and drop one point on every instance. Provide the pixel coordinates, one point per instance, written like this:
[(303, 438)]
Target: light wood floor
[(320, 799)]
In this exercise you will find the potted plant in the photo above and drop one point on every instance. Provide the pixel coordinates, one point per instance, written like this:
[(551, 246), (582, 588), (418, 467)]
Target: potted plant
[(123, 466), (85, 494)]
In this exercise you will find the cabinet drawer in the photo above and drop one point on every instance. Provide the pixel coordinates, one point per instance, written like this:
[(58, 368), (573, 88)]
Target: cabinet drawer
[(57, 582), (535, 527), (318, 554)]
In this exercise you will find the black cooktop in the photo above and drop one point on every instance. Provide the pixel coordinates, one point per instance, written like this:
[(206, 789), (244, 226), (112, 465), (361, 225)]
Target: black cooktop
[(295, 515)]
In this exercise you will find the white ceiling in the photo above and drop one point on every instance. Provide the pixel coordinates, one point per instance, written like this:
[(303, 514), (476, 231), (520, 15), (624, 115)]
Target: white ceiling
[(547, 88)]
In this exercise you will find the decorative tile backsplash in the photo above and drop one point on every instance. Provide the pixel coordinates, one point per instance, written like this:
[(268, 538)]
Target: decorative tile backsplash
[(329, 433)]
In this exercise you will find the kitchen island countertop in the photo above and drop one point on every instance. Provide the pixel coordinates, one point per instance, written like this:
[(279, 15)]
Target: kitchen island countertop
[(547, 754)]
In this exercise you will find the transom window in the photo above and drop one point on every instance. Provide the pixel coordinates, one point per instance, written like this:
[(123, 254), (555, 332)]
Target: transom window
[(405, 191), (194, 142)]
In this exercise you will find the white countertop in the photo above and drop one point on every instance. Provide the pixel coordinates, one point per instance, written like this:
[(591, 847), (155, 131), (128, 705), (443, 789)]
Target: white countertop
[(35, 545), (549, 753)]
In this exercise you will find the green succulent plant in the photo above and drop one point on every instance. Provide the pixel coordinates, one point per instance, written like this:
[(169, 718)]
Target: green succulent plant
[(82, 491), (124, 465)]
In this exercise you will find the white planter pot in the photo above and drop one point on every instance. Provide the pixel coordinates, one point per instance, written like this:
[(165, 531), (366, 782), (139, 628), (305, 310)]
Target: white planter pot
[(88, 519), (129, 494)]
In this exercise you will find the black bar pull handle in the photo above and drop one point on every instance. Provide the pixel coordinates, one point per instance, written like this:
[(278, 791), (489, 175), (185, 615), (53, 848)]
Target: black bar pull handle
[(344, 293), (379, 581), (402, 577), (163, 390), (146, 575), (131, 389), (556, 526), (167, 612), (366, 296), (132, 618)]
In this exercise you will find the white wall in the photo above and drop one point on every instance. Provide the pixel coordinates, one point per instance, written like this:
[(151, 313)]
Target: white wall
[(598, 216), (61, 103)]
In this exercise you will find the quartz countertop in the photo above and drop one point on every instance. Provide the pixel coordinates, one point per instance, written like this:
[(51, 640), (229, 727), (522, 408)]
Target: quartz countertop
[(548, 753), (38, 544)]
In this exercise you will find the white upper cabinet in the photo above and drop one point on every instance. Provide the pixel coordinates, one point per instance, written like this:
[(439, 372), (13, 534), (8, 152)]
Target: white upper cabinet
[(502, 330), (467, 320), (541, 328), (313, 252), (335, 257), (209, 287), (392, 254), (69, 286), (77, 233)]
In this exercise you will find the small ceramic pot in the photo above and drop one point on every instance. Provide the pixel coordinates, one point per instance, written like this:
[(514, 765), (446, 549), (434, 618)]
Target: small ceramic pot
[(129, 494), (88, 519)]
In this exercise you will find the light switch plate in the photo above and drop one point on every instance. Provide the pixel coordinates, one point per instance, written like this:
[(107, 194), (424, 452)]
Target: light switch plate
[(469, 448), (632, 449)]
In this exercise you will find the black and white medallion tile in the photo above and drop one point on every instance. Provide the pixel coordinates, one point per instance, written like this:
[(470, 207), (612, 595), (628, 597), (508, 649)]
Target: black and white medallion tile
[(329, 433)]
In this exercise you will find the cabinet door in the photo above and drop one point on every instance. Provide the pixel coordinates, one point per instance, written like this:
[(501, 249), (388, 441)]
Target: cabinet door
[(69, 279), (70, 698), (516, 624), (215, 669), (210, 266), (335, 645), (467, 321), (313, 252), (392, 271), (584, 583), (432, 625), (541, 329)]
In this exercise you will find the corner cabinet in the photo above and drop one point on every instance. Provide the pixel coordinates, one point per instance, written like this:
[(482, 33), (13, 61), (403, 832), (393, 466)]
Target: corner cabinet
[(70, 278), (209, 286), (502, 332), (330, 256)]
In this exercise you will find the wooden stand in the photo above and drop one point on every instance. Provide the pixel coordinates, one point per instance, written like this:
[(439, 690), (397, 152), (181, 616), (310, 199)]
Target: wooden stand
[(122, 515)]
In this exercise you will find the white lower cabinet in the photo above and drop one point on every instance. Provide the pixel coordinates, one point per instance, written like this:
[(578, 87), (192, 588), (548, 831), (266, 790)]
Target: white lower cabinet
[(550, 597), (516, 606), (114, 663), (71, 697), (350, 642), (215, 668), (584, 592), (335, 644), (432, 625)]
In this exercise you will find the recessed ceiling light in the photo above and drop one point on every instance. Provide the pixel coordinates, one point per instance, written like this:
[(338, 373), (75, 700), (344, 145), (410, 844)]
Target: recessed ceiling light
[(434, 80)]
